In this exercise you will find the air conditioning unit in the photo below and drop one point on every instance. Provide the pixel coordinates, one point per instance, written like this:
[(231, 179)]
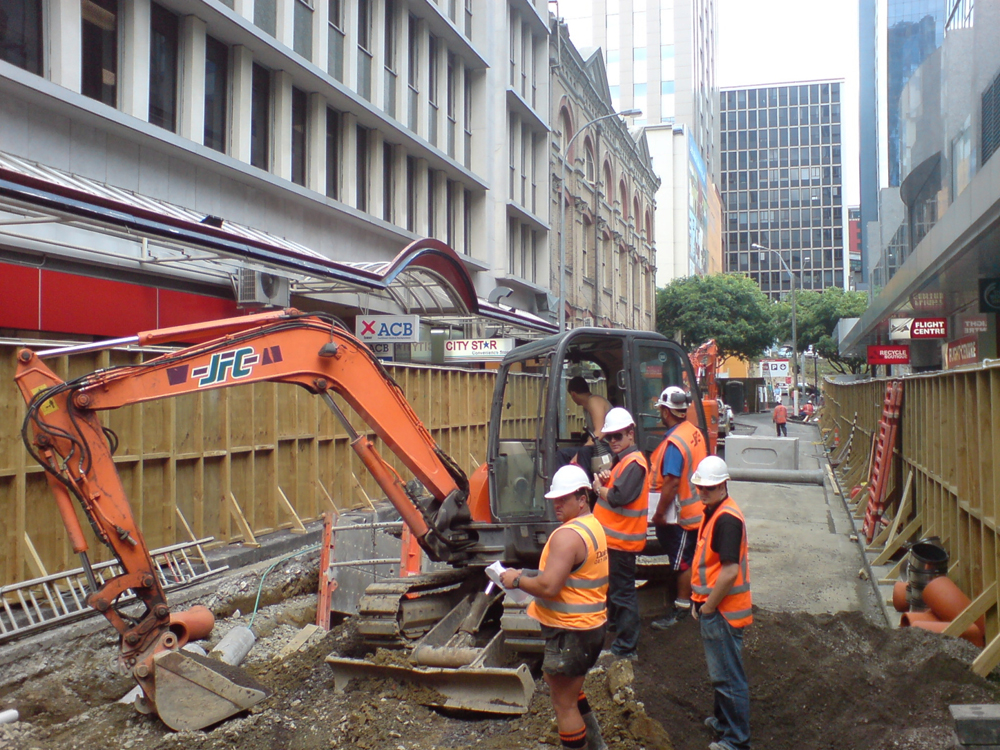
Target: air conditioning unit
[(587, 323), (257, 288)]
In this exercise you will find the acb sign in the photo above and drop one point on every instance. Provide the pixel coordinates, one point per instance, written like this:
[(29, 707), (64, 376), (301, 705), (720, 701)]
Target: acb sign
[(388, 329)]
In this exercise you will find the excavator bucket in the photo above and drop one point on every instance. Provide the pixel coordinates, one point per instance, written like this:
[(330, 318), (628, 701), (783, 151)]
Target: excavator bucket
[(194, 692), (482, 689)]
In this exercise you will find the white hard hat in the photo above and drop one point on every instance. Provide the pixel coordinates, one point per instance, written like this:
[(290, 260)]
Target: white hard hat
[(711, 472), (566, 481), (674, 398), (617, 420)]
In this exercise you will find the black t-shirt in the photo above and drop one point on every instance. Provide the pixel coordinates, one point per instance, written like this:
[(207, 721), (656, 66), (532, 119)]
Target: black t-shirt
[(727, 536)]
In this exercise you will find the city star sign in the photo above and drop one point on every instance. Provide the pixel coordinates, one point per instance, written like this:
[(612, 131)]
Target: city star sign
[(917, 328), (388, 329)]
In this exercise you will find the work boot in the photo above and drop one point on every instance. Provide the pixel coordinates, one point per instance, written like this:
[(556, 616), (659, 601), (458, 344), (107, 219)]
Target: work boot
[(665, 623), (594, 739), (712, 723)]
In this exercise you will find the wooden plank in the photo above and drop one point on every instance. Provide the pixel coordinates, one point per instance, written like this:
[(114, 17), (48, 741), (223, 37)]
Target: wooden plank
[(298, 641), (899, 541), (249, 539), (904, 507), (32, 559), (893, 573), (988, 658), (297, 526)]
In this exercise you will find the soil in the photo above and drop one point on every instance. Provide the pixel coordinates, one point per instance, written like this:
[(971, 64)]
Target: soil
[(816, 682)]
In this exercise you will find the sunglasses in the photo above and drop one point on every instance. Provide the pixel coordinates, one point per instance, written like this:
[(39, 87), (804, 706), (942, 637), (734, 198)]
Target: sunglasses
[(615, 436)]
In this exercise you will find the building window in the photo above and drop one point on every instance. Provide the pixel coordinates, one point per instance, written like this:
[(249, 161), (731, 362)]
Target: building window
[(411, 194), (216, 94), (467, 223), (451, 231), (163, 69), (589, 167), (302, 28), (99, 43), (361, 183), (299, 100), (511, 245), (432, 88), (451, 105), (468, 19), (335, 53), (265, 15), (260, 118), (21, 34), (388, 193), (333, 153), (431, 205), (389, 45), (413, 73), (364, 48)]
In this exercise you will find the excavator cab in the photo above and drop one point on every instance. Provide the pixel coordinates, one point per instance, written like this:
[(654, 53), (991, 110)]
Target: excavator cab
[(533, 418)]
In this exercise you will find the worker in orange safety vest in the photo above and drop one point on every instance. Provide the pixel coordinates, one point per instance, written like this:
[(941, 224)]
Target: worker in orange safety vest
[(780, 418), (673, 500), (723, 604), (622, 497)]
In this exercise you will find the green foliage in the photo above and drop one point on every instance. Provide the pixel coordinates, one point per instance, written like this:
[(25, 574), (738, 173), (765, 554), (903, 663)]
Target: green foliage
[(816, 317), (729, 308)]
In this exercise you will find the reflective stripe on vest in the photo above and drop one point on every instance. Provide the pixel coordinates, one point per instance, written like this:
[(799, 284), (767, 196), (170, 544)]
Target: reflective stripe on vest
[(691, 443), (737, 605), (625, 526), (581, 603)]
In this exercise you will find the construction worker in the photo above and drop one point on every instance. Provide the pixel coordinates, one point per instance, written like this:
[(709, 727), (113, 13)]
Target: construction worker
[(595, 409), (622, 497), (721, 593), (780, 418), (570, 603), (677, 509)]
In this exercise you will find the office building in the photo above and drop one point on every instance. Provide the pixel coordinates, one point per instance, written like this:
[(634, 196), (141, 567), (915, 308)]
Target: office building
[(299, 146), (780, 155), (660, 57), (854, 247)]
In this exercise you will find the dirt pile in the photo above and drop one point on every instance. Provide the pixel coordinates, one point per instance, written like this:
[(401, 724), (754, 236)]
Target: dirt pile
[(816, 682)]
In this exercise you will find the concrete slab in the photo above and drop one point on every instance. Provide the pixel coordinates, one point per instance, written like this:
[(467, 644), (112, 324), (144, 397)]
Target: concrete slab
[(759, 452)]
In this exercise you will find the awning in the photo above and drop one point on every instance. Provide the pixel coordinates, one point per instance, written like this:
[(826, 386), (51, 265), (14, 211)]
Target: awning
[(427, 277)]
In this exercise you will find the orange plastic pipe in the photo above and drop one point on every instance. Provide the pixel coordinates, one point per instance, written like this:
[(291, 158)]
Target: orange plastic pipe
[(899, 596), (972, 633), (948, 601), (912, 618), (193, 624)]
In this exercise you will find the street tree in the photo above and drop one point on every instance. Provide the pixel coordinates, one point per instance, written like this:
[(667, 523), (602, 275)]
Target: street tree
[(816, 317), (729, 308)]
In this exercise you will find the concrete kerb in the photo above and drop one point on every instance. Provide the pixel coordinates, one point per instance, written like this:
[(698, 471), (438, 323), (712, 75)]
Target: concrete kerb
[(242, 561)]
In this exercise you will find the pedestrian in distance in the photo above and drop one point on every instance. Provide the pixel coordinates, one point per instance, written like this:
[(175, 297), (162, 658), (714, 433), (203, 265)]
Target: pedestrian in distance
[(570, 593), (677, 510), (622, 502), (595, 409), (723, 605), (780, 418)]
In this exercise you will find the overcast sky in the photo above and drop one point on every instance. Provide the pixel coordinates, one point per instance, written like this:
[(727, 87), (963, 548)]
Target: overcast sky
[(776, 41)]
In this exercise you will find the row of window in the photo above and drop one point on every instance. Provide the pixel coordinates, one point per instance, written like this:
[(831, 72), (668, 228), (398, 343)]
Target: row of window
[(785, 178), (524, 59), (788, 239), (784, 219), (825, 114), (783, 96), (775, 284), (792, 198)]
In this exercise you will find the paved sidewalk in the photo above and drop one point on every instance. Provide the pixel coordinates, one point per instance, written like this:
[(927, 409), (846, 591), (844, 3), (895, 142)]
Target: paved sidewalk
[(802, 557)]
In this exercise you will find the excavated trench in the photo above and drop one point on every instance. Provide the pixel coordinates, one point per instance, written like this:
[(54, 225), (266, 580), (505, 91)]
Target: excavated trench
[(830, 681)]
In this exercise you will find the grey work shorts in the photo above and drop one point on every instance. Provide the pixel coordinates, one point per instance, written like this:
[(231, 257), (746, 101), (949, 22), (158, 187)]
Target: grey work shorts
[(571, 653)]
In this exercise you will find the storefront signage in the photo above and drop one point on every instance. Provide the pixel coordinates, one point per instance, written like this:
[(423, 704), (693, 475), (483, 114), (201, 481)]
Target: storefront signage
[(888, 355), (989, 295), (385, 352), (927, 300), (388, 329), (774, 368), (476, 350), (963, 351), (974, 324), (917, 328)]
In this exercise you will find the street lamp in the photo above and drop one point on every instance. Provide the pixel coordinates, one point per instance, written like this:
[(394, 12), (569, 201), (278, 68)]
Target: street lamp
[(795, 350), (562, 211)]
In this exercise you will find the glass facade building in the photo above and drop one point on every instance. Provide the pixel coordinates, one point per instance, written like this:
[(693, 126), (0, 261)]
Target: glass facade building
[(781, 179)]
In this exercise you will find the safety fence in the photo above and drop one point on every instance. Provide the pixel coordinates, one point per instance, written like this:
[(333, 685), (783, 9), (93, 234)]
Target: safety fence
[(944, 480), (231, 463)]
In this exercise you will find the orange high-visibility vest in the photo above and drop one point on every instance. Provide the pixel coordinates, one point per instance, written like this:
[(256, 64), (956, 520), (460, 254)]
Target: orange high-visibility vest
[(581, 603), (625, 527), (691, 443), (737, 606)]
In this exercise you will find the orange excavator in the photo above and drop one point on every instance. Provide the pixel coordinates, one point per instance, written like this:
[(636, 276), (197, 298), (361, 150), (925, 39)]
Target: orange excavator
[(705, 360), (501, 515)]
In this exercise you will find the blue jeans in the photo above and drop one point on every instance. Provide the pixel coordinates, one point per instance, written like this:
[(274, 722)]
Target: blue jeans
[(724, 654), (623, 601)]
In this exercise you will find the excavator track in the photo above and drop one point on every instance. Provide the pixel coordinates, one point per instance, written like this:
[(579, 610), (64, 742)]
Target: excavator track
[(398, 611)]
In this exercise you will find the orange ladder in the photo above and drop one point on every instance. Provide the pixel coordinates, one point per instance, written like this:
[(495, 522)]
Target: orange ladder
[(878, 480)]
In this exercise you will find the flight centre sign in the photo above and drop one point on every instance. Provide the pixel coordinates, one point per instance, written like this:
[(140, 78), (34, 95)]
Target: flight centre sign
[(901, 329), (388, 329)]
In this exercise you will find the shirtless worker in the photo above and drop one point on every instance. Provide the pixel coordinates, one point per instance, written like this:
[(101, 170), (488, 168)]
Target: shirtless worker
[(570, 592), (595, 409)]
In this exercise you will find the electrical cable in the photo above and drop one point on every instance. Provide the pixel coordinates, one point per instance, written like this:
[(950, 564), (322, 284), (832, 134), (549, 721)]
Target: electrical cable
[(260, 587)]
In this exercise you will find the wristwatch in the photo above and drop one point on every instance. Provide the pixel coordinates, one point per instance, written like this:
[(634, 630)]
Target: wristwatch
[(517, 581)]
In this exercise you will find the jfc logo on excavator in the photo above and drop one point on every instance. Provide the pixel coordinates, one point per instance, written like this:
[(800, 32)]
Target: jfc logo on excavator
[(234, 364)]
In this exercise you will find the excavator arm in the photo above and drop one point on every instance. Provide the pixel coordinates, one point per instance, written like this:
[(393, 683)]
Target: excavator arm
[(63, 433)]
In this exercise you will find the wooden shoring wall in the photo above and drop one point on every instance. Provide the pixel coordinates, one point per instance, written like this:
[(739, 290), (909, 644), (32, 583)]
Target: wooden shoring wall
[(950, 441), (192, 452)]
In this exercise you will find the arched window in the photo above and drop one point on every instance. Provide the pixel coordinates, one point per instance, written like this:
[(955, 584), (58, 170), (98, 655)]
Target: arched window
[(649, 227), (635, 213), (609, 183), (623, 199), (589, 166), (566, 131)]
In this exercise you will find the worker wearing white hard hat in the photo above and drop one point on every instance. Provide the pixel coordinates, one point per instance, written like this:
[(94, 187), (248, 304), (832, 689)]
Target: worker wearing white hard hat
[(676, 511), (622, 502), (721, 593), (570, 593)]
